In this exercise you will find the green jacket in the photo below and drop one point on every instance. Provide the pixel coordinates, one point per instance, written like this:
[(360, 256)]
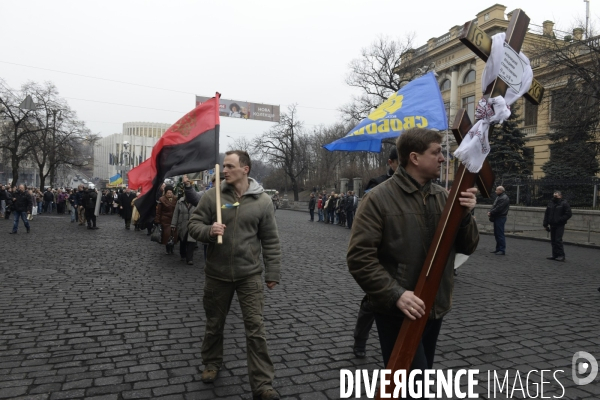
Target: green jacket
[(250, 228), (393, 228)]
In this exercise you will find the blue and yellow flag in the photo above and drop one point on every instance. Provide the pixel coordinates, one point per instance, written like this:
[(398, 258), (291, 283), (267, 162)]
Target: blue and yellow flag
[(115, 180), (418, 104)]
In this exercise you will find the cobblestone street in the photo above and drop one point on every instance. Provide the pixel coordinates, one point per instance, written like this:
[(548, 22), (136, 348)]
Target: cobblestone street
[(107, 315)]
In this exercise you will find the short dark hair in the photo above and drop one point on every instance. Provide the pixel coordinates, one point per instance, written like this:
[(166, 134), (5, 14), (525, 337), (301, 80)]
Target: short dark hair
[(244, 158), (393, 154), (415, 140)]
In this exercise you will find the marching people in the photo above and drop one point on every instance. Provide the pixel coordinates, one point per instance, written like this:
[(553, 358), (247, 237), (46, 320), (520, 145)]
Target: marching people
[(248, 227), (366, 317), (351, 204), (3, 198), (320, 208), (72, 206), (275, 200), (80, 205), (164, 216), (88, 200), (402, 213), (48, 200), (22, 203), (179, 224), (556, 216), (497, 215), (9, 202), (126, 207)]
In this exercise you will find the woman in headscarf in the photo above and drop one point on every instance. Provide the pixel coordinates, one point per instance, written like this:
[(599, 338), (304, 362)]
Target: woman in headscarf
[(164, 216)]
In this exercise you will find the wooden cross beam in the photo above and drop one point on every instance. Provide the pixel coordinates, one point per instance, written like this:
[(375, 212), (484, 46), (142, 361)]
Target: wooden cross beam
[(437, 257)]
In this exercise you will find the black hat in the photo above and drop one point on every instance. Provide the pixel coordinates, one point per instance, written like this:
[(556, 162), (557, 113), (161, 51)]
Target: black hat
[(393, 154), (168, 187)]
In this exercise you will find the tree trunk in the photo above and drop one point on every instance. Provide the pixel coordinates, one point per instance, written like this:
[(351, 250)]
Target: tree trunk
[(42, 179), (295, 188), (15, 171)]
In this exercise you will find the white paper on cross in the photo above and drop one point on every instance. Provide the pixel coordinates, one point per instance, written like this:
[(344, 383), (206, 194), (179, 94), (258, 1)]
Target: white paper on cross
[(502, 62)]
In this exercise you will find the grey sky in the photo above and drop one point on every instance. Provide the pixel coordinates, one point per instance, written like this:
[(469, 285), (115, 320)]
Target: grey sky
[(274, 52)]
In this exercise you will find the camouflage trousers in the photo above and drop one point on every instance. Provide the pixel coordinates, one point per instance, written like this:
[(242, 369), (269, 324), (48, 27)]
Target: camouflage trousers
[(217, 301)]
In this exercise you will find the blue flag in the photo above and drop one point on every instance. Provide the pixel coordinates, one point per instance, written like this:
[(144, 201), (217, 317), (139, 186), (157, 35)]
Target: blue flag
[(418, 104)]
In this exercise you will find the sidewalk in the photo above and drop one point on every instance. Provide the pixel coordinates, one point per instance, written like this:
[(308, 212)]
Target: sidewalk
[(577, 238)]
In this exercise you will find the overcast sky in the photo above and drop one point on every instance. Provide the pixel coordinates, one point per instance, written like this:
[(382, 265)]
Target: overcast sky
[(273, 52)]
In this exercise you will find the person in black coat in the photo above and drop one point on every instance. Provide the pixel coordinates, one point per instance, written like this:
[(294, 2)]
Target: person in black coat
[(557, 214), (498, 215), (22, 204), (392, 163), (89, 199), (125, 206), (311, 207)]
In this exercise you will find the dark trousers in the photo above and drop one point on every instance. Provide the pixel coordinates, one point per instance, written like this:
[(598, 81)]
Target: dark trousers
[(217, 301), (350, 218), (388, 328), (556, 235), (364, 322), (186, 250), (90, 217), (312, 213), (127, 223), (331, 216), (499, 223)]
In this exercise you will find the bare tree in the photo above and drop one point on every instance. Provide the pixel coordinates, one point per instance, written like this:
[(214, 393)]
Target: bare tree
[(281, 146), (58, 141), (241, 143), (15, 126), (382, 69)]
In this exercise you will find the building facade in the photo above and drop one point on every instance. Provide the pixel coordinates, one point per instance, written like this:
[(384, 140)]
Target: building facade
[(129, 148), (459, 73)]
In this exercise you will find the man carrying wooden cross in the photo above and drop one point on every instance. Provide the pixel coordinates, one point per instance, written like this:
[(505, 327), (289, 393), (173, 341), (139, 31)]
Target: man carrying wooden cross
[(398, 253), (391, 234)]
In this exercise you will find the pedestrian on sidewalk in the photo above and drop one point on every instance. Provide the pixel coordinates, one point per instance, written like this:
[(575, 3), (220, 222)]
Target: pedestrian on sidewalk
[(22, 204), (497, 215), (556, 216), (311, 207), (248, 228)]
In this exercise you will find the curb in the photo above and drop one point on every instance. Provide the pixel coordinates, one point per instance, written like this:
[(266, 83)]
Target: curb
[(586, 245)]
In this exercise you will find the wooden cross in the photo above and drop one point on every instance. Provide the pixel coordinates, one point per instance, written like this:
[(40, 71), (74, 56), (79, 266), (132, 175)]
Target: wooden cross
[(453, 214)]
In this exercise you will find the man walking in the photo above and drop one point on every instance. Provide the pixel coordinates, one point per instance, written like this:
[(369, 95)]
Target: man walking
[(125, 206), (22, 205), (89, 204), (248, 228), (497, 215), (557, 214), (391, 235)]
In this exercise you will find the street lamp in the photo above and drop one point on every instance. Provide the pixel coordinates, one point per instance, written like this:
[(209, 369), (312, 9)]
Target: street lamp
[(125, 167)]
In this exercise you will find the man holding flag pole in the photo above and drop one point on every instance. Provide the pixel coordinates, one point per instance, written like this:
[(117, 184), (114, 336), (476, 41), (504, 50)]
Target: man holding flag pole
[(248, 228)]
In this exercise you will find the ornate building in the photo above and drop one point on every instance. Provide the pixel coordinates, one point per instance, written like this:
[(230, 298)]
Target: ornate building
[(459, 75)]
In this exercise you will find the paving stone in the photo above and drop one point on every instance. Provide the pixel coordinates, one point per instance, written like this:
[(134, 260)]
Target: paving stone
[(135, 329)]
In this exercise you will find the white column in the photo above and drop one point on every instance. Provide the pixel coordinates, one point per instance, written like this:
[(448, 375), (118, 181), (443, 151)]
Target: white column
[(454, 105)]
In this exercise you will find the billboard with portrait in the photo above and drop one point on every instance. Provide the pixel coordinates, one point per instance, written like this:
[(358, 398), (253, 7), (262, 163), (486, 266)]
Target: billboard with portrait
[(245, 109)]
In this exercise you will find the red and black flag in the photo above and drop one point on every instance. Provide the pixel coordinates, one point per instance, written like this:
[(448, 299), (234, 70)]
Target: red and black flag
[(190, 145)]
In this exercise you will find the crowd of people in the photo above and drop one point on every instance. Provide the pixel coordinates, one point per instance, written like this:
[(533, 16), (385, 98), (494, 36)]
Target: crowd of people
[(335, 208)]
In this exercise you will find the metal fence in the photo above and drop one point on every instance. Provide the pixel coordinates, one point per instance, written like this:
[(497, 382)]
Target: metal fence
[(579, 193)]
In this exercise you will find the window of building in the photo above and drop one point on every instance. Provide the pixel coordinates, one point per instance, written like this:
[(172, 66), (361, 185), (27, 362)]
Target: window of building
[(529, 156), (469, 77), (531, 114), (445, 85), (468, 103)]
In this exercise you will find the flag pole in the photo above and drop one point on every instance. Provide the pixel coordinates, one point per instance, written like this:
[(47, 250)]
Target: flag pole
[(218, 189)]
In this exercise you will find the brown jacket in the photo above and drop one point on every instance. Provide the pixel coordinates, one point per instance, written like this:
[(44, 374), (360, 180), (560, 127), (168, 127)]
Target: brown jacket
[(164, 215), (391, 234)]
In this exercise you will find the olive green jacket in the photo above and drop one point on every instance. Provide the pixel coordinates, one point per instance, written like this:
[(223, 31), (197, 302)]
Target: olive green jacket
[(393, 228), (250, 228)]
